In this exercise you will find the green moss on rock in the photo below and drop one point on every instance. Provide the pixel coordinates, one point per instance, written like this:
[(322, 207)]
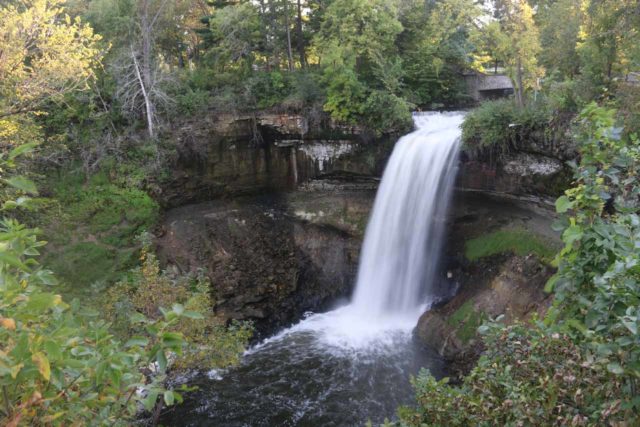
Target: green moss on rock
[(466, 320), (517, 241)]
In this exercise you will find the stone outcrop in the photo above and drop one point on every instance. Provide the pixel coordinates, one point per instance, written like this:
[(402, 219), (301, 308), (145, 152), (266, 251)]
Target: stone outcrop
[(270, 258), (230, 156), (535, 167), (499, 284), (512, 288), (518, 173)]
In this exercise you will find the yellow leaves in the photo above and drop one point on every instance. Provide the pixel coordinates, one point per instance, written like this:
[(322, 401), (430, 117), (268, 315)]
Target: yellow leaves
[(8, 323), (42, 363), (44, 54), (15, 370)]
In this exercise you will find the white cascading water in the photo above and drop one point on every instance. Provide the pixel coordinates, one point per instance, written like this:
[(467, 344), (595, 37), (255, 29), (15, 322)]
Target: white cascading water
[(402, 242), (353, 364), (404, 235)]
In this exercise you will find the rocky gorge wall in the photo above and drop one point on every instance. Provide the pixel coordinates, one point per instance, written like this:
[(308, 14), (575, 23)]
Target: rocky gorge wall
[(229, 156), (275, 212), (270, 258)]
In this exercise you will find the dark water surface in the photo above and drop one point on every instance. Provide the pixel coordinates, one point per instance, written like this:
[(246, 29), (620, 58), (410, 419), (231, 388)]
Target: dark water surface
[(309, 376)]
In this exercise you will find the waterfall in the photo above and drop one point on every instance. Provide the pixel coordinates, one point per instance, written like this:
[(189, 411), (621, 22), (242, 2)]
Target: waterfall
[(401, 248), (353, 363), (403, 239)]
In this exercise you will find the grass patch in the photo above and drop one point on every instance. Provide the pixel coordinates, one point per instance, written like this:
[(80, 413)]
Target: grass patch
[(82, 264), (91, 224), (467, 320), (520, 242)]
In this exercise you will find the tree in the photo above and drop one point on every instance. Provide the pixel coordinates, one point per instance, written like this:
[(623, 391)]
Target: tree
[(140, 75), (518, 45), (609, 40), (356, 45), (435, 48), (560, 24), (44, 55), (237, 33)]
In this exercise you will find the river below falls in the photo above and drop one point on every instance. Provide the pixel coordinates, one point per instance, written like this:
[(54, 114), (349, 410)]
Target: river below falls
[(331, 369)]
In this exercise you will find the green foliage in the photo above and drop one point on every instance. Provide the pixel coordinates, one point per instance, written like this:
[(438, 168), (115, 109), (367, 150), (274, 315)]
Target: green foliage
[(518, 241), (384, 111), (148, 290), (192, 101), (528, 376), (92, 222), (597, 289), (581, 365), (59, 363), (560, 23), (268, 89), (85, 262), (435, 46), (499, 126)]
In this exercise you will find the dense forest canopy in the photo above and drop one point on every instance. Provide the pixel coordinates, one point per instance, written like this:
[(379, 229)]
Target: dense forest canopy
[(90, 90)]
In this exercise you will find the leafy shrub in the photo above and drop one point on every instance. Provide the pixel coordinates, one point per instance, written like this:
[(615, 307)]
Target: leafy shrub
[(148, 290), (345, 95), (306, 91), (104, 215), (265, 90), (385, 112), (528, 376), (59, 363), (562, 96), (628, 104), (499, 125), (192, 101)]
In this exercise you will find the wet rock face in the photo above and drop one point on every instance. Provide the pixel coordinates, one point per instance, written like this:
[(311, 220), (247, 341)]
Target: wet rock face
[(535, 166), (517, 174), (231, 156), (496, 284), (270, 259)]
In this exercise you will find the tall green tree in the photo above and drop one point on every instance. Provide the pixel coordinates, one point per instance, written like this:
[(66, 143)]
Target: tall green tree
[(519, 45), (560, 24), (44, 55), (610, 36), (435, 48), (358, 56)]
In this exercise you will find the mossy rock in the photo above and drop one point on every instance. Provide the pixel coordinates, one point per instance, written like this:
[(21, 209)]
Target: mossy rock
[(466, 321), (519, 242)]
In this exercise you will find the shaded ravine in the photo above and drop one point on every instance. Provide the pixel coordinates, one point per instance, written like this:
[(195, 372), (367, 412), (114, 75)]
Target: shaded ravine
[(352, 364)]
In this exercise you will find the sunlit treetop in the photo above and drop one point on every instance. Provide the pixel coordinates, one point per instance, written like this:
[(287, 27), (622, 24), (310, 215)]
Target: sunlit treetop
[(44, 54)]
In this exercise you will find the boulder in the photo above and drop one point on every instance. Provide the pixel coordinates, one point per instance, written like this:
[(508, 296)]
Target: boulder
[(514, 289)]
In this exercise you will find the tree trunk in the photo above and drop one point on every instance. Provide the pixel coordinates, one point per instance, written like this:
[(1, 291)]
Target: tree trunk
[(263, 16), (300, 36), (143, 69), (286, 23), (519, 88), (273, 17), (147, 101)]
